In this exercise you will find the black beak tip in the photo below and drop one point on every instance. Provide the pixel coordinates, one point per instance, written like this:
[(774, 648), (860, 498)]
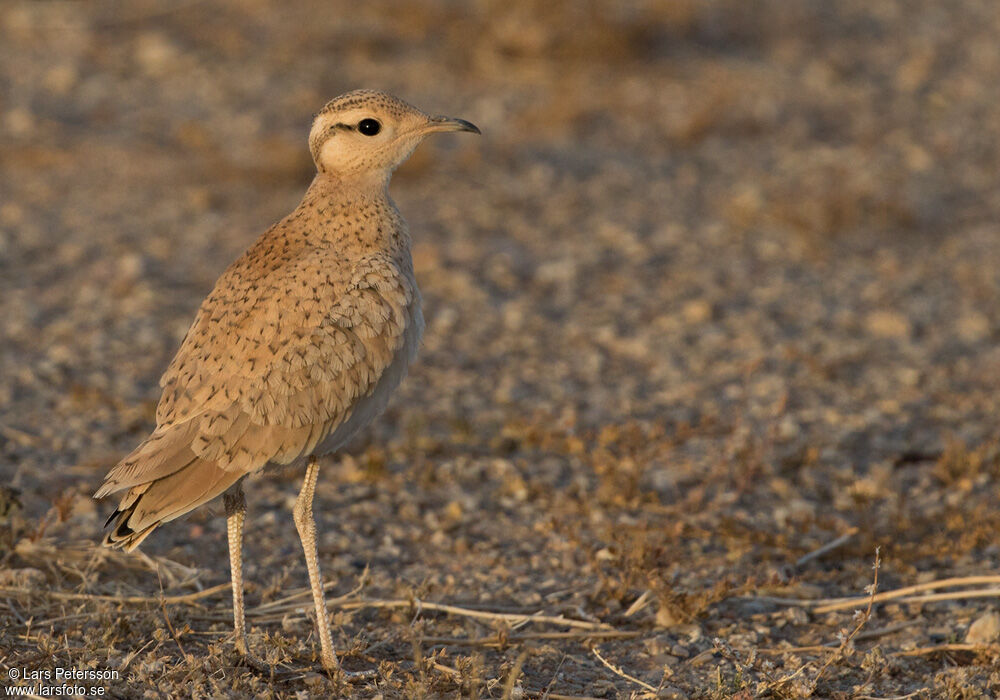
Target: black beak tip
[(455, 124), (469, 126)]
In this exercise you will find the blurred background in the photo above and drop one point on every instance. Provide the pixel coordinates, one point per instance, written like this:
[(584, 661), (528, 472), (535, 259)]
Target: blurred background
[(719, 283)]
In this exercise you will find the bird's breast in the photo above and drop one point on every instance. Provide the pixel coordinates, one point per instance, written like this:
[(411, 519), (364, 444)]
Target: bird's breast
[(370, 406)]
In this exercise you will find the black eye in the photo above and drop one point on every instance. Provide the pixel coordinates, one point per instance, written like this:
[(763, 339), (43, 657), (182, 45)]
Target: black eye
[(369, 127)]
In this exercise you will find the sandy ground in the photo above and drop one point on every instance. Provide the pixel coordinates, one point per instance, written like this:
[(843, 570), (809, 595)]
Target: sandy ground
[(719, 286)]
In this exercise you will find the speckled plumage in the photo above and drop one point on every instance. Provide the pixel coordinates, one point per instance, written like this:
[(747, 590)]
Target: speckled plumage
[(302, 339), (294, 334)]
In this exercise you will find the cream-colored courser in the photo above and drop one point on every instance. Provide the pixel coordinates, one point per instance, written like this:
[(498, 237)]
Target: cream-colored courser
[(298, 346)]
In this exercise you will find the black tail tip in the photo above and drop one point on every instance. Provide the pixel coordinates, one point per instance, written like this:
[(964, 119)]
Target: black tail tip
[(112, 517), (121, 534)]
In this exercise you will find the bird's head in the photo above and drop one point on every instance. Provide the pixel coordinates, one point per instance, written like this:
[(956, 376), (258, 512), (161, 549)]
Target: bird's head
[(366, 134)]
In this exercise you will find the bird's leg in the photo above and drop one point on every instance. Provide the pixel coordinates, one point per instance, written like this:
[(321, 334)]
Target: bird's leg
[(306, 526), (236, 509)]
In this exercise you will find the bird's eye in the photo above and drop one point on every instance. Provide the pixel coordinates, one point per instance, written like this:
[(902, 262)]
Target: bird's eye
[(369, 127)]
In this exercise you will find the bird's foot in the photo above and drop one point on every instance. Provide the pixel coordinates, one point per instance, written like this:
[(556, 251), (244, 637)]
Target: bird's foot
[(330, 665), (338, 672), (358, 675), (253, 662), (257, 664)]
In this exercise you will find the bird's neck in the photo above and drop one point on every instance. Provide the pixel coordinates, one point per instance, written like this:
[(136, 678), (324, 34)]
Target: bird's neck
[(355, 212), (362, 188)]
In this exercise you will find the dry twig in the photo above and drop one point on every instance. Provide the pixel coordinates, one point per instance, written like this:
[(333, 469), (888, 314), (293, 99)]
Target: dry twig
[(509, 618), (901, 595), (168, 600), (929, 598), (940, 648), (515, 673), (828, 547), (618, 670), (498, 641), (861, 617)]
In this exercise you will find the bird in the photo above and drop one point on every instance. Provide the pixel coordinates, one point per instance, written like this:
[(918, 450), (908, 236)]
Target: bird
[(298, 346)]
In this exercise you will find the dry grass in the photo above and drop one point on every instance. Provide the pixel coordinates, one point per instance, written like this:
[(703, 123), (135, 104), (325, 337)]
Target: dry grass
[(712, 315)]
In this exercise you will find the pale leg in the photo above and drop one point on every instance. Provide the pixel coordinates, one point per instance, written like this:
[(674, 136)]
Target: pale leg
[(306, 526), (236, 508)]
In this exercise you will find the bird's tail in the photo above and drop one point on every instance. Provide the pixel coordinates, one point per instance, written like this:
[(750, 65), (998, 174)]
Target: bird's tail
[(146, 506), (121, 536), (164, 480)]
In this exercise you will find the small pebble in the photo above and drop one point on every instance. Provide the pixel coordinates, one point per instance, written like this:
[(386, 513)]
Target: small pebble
[(984, 630)]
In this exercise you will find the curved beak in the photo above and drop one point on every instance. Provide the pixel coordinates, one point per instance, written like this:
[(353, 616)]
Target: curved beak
[(450, 124)]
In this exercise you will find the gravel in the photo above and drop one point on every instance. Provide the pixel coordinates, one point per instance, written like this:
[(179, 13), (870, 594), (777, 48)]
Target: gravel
[(718, 284)]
